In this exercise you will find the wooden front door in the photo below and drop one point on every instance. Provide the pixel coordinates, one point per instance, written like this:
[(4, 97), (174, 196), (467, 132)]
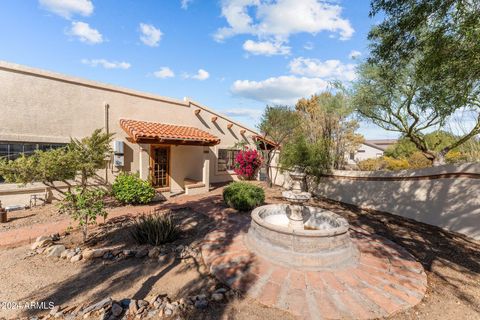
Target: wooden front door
[(160, 166)]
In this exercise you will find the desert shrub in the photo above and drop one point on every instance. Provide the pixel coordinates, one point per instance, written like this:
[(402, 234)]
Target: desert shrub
[(129, 188), (383, 163), (455, 156), (370, 164), (155, 229), (243, 196), (392, 164), (417, 161)]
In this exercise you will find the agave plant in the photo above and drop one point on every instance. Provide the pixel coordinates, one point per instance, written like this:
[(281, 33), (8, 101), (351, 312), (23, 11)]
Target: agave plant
[(155, 229)]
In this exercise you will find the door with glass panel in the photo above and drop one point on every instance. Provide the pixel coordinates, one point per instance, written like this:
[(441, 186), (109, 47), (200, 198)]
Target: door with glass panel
[(160, 166)]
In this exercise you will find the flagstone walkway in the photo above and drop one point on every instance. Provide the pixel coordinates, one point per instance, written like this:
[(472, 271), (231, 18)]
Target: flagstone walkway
[(387, 279)]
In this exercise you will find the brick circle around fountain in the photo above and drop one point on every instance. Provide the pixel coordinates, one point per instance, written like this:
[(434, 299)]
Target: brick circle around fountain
[(386, 280)]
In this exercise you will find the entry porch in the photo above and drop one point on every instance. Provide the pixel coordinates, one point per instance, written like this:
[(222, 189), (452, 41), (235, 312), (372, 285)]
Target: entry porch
[(175, 159)]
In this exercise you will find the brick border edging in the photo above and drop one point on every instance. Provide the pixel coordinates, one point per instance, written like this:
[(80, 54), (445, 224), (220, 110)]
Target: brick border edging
[(387, 280)]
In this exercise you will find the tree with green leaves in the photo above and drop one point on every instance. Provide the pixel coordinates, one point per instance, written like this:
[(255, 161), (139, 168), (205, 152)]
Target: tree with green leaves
[(276, 125), (81, 158), (326, 132), (326, 120), (423, 69)]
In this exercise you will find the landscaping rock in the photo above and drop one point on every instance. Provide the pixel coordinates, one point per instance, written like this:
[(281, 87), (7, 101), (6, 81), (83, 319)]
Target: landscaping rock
[(142, 303), (55, 251), (163, 259), (116, 309), (41, 243), (128, 253), (97, 306), (221, 290), (55, 237), (154, 252), (64, 254), (125, 303), (108, 256), (201, 304), (142, 253), (76, 258), (133, 308), (94, 253), (54, 310), (217, 296), (71, 254)]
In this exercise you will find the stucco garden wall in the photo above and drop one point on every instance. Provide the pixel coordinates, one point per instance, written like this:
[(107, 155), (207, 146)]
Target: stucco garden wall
[(446, 196)]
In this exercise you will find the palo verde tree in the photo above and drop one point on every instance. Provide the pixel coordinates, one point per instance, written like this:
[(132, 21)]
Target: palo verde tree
[(276, 125), (81, 158), (423, 69)]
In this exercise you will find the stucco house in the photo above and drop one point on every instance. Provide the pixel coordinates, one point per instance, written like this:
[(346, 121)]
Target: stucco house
[(178, 145), (370, 149)]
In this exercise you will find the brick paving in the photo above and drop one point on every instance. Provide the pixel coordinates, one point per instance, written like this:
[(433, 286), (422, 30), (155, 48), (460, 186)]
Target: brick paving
[(386, 280)]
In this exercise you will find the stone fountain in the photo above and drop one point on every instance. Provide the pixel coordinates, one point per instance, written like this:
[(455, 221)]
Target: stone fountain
[(301, 236)]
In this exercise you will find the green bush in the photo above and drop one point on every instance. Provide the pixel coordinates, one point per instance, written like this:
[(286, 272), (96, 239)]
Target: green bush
[(154, 229), (129, 188), (243, 196)]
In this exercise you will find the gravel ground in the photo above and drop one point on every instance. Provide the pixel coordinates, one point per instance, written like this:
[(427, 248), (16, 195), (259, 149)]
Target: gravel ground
[(40, 278)]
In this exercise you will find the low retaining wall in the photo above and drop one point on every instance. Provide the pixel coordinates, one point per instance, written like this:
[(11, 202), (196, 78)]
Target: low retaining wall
[(446, 196)]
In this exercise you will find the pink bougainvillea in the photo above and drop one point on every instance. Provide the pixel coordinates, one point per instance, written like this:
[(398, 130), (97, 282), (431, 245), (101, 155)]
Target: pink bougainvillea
[(247, 163)]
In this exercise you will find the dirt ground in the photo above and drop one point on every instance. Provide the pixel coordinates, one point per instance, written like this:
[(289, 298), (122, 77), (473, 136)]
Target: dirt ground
[(39, 214), (40, 278), (451, 261)]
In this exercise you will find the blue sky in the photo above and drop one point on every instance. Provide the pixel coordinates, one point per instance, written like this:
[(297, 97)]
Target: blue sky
[(235, 56)]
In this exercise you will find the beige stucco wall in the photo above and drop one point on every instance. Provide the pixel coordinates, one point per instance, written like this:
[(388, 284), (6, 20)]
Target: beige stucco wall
[(40, 106), (447, 196)]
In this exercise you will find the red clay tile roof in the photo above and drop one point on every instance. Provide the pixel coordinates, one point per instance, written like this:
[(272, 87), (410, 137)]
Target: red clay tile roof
[(138, 130)]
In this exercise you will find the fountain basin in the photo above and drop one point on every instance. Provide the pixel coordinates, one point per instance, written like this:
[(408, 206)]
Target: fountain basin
[(323, 243)]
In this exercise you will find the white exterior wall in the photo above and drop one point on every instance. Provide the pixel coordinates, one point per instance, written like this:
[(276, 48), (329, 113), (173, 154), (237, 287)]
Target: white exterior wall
[(365, 152)]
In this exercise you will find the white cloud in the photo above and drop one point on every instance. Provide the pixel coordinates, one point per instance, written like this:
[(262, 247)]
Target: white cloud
[(266, 48), (164, 72), (329, 69), (279, 90), (201, 75), (150, 35), (67, 8), (282, 18), (106, 64), (253, 114), (309, 46), (185, 4), (85, 33), (354, 54)]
